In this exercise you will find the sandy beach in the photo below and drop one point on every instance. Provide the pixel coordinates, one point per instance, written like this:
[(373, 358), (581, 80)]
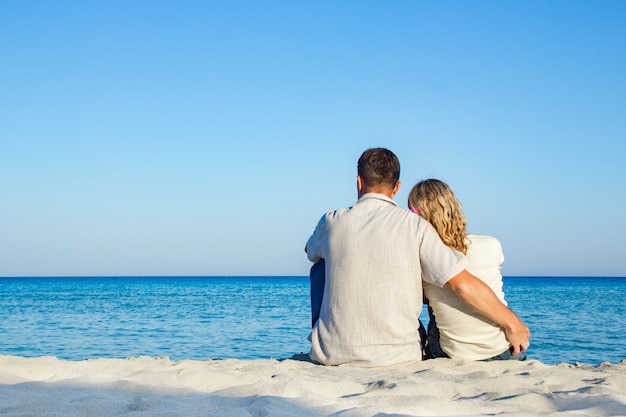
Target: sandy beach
[(147, 386)]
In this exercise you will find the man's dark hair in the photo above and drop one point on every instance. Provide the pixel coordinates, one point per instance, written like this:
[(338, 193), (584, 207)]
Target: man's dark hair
[(379, 167)]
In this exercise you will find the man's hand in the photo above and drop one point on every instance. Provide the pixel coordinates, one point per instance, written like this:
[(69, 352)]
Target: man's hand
[(519, 336), (481, 298)]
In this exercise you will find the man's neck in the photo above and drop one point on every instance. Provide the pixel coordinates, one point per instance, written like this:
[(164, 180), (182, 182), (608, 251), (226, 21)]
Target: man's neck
[(363, 188), (377, 190)]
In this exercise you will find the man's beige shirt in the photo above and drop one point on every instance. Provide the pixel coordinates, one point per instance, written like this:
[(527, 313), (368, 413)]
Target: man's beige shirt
[(376, 256)]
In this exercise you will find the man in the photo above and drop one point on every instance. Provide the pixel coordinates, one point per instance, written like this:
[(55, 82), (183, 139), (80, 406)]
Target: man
[(376, 255)]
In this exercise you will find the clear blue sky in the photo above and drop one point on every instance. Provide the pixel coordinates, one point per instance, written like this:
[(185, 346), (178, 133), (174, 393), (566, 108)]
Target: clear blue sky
[(208, 137)]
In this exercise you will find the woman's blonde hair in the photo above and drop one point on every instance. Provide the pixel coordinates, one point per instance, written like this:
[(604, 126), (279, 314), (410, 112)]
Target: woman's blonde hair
[(436, 203)]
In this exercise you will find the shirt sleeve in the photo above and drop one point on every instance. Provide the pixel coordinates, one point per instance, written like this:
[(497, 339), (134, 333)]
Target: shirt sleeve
[(315, 243), (439, 262)]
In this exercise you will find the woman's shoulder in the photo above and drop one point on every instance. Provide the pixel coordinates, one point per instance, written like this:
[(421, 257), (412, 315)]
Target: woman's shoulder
[(482, 239), (484, 246)]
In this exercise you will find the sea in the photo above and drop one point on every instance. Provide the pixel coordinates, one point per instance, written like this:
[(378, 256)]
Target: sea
[(572, 319)]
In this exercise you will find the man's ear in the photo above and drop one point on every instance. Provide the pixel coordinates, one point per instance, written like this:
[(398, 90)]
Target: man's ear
[(359, 184), (395, 189)]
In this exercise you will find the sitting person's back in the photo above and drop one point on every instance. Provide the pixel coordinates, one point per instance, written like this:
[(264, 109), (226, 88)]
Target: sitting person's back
[(376, 257), (465, 334), (460, 332)]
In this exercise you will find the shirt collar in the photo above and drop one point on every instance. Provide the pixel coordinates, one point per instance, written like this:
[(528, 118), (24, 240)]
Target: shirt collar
[(377, 197)]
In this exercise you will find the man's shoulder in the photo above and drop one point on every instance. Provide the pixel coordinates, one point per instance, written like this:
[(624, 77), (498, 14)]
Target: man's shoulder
[(337, 212), (369, 206)]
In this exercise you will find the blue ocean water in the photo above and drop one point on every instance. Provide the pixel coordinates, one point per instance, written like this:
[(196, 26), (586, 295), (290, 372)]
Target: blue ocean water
[(571, 319)]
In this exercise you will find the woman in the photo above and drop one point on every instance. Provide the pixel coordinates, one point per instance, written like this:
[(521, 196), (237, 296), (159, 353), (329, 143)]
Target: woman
[(460, 332)]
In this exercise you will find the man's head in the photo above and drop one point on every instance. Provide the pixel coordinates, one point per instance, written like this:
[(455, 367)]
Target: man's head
[(378, 171)]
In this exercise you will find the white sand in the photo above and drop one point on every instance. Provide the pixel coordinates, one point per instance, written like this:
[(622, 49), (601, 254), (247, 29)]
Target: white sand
[(148, 386)]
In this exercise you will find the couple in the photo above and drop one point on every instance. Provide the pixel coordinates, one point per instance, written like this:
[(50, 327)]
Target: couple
[(376, 257)]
